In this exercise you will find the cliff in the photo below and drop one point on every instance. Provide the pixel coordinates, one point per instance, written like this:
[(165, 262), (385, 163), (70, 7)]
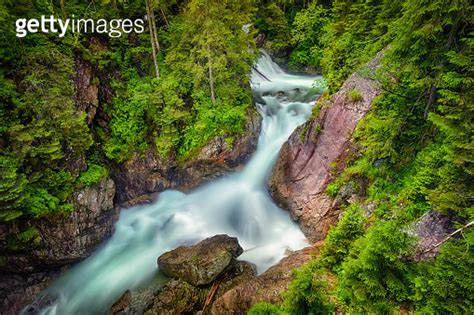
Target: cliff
[(316, 150)]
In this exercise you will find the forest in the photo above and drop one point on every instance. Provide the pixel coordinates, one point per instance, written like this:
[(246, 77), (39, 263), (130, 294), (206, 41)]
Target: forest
[(185, 81)]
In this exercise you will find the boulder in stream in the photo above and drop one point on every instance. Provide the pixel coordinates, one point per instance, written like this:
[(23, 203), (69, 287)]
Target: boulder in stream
[(202, 263)]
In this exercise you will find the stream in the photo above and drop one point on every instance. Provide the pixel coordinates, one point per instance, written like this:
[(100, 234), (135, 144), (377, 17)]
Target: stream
[(237, 204)]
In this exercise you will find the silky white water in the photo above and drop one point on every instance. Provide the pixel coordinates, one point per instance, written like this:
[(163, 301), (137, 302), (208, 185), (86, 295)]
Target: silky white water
[(238, 205)]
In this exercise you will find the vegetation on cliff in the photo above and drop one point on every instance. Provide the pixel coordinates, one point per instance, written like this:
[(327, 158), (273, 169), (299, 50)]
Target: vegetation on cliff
[(177, 91), (416, 153)]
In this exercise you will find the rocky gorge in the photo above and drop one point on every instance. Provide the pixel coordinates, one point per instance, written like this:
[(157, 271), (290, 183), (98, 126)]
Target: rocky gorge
[(206, 278), (298, 183)]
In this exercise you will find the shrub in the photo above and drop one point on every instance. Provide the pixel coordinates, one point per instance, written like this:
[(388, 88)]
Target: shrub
[(28, 237), (308, 292), (375, 278), (342, 236), (355, 96), (93, 175)]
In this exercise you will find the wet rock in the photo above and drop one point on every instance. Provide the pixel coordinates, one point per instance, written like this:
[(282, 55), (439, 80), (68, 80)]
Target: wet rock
[(315, 151), (122, 303), (202, 263), (432, 228)]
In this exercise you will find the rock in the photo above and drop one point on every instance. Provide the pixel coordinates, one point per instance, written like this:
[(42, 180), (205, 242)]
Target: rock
[(305, 166), (233, 292), (64, 240), (266, 287), (87, 89), (202, 263), (17, 290), (121, 304), (432, 228), (260, 40), (149, 173), (177, 297)]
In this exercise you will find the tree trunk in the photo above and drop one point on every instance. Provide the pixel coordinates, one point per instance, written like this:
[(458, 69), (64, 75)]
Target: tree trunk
[(153, 38)]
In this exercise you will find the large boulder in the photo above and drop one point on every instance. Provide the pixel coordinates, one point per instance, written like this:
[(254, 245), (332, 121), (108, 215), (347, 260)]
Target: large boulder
[(308, 160), (202, 263)]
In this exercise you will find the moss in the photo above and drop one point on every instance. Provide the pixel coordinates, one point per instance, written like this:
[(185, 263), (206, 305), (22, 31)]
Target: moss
[(230, 141), (355, 95), (316, 130), (333, 189), (333, 167), (303, 132), (93, 175), (29, 237), (315, 111)]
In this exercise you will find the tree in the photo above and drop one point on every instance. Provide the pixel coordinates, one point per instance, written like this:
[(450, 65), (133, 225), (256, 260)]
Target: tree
[(155, 45)]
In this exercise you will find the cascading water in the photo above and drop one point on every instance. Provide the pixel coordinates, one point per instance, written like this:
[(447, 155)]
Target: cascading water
[(238, 205)]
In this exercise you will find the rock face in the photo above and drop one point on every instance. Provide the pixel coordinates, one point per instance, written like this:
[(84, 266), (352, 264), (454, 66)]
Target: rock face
[(202, 263), (150, 173), (265, 287), (87, 89), (306, 161), (432, 228), (63, 241)]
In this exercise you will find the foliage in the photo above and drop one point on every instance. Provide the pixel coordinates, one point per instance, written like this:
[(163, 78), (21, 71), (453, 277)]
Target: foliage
[(271, 21), (264, 308), (92, 175), (307, 35), (375, 277), (447, 285), (43, 129), (308, 292), (340, 238), (355, 95), (29, 237), (333, 189)]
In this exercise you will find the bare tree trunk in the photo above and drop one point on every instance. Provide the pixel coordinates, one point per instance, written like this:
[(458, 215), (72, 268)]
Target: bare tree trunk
[(164, 18), (468, 225), (153, 39)]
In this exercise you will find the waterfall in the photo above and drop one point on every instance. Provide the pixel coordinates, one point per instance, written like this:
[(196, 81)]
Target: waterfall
[(238, 205)]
